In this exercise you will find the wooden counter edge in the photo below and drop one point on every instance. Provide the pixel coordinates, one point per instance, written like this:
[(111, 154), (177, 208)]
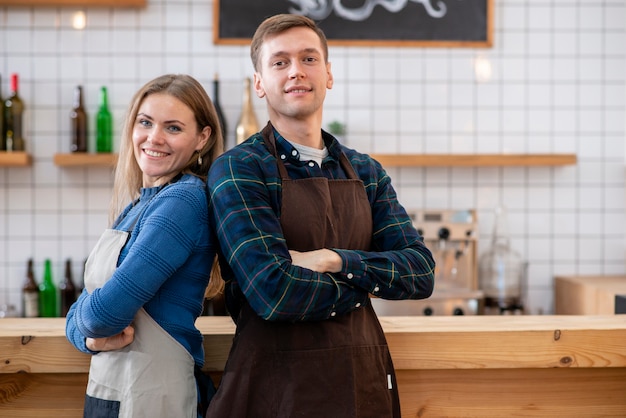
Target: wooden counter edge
[(416, 343)]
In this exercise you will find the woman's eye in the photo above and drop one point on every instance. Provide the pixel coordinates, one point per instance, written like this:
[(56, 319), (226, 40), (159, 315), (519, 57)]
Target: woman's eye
[(174, 128), (144, 122)]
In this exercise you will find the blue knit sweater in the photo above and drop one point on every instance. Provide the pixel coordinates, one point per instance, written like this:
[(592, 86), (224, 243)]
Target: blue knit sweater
[(164, 267)]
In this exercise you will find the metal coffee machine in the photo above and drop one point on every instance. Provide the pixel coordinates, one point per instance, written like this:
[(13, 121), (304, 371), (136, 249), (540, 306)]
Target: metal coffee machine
[(451, 236)]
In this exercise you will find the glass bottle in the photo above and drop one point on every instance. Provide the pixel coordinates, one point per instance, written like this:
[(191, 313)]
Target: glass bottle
[(67, 289), (30, 293), (47, 293), (3, 145), (501, 268), (78, 123), (13, 118), (104, 124), (247, 124), (218, 108)]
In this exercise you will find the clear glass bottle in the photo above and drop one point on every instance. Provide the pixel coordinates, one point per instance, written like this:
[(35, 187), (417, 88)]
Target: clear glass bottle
[(13, 118), (47, 293), (501, 268), (247, 124), (104, 124), (78, 123)]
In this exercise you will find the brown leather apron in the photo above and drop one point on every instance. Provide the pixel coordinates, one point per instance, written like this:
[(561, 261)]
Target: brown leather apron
[(340, 367)]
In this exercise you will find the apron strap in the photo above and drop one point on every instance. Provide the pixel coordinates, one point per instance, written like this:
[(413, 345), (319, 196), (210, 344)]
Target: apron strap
[(270, 141)]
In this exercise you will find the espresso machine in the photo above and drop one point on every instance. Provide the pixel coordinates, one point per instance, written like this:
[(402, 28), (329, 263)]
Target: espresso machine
[(451, 235)]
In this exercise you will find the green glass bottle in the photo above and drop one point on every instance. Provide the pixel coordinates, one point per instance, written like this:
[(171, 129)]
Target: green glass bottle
[(47, 293), (104, 124)]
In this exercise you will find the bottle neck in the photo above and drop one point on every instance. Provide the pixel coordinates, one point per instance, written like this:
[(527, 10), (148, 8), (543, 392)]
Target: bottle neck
[(14, 84), (104, 99), (78, 97), (216, 91)]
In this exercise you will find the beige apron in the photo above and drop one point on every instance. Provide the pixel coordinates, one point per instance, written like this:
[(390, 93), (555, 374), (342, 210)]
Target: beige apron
[(151, 377)]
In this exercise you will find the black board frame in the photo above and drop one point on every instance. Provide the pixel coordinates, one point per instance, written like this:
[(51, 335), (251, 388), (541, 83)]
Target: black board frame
[(231, 18)]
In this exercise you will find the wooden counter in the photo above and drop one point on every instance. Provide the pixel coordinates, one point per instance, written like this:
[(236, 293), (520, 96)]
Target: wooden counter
[(473, 366)]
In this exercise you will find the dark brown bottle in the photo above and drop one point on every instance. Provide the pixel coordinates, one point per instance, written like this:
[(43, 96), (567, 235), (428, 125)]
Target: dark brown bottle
[(67, 289), (78, 123), (3, 146), (30, 293), (13, 118), (218, 109)]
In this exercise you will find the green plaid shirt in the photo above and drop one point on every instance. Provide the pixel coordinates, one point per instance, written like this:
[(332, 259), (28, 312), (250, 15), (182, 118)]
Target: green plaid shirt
[(245, 196)]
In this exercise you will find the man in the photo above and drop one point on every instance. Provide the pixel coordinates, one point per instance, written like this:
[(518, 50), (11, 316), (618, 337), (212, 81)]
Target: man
[(308, 230)]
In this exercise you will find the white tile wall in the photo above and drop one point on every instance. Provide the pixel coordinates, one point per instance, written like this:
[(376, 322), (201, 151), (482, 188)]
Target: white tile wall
[(557, 85)]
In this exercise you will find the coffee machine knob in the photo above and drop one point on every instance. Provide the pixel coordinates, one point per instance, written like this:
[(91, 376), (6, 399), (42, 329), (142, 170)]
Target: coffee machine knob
[(428, 311), (458, 311)]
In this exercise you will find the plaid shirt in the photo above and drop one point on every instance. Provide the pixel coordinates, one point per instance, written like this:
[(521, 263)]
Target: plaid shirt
[(245, 197)]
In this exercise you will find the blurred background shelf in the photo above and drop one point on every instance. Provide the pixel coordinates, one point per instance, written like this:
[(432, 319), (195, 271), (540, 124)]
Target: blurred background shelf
[(14, 159), (90, 3), (85, 159), (473, 160)]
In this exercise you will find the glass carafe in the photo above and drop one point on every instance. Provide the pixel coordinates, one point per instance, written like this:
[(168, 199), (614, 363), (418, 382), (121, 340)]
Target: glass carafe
[(501, 268)]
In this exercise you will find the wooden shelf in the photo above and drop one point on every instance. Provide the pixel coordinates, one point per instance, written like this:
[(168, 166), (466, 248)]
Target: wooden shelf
[(85, 3), (85, 159), (473, 160), (14, 159)]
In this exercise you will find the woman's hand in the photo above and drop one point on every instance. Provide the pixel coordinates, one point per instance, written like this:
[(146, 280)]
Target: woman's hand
[(115, 342), (321, 261)]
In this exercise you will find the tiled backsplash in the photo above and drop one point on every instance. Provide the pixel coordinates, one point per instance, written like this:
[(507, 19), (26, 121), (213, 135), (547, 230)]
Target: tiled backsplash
[(557, 85)]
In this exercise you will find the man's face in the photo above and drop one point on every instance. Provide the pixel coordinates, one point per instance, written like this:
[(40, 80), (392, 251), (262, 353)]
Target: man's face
[(293, 75)]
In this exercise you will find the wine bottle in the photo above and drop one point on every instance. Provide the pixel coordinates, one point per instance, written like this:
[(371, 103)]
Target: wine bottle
[(13, 118), (78, 123), (3, 145), (104, 124), (30, 293), (218, 108), (247, 124), (67, 289), (47, 293)]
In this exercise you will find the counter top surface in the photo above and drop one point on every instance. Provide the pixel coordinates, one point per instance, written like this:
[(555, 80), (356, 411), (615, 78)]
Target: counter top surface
[(418, 342), (52, 327)]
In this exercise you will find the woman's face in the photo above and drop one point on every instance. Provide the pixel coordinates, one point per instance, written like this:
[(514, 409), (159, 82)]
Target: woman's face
[(165, 136)]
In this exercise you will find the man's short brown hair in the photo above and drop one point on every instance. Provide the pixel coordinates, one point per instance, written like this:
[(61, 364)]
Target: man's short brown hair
[(279, 23)]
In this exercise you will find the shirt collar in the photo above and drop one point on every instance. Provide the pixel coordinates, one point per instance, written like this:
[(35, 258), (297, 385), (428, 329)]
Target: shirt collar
[(287, 152)]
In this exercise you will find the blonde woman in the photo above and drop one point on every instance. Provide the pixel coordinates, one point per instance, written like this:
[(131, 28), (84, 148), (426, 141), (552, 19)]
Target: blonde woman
[(145, 280)]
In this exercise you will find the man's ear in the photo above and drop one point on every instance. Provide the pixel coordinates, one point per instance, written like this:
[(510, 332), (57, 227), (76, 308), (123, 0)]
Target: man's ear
[(258, 85)]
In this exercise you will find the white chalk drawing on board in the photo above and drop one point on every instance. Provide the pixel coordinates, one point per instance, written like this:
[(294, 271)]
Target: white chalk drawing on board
[(321, 9)]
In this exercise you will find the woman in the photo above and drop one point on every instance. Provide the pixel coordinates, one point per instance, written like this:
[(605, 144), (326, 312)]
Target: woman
[(145, 279)]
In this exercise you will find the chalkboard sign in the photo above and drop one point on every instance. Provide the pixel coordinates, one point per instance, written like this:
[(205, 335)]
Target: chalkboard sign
[(437, 23)]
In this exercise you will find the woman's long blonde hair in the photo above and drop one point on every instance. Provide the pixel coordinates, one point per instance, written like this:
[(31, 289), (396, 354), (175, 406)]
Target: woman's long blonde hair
[(128, 175)]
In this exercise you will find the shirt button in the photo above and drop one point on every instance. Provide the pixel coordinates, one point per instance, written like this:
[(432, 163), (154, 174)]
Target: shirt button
[(376, 289), (283, 156), (294, 152), (350, 275), (333, 314), (311, 164), (357, 305)]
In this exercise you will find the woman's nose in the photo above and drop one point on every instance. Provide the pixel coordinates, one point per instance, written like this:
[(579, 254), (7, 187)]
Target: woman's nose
[(155, 137)]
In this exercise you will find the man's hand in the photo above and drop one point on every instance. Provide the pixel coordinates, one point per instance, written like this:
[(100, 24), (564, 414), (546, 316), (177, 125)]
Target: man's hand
[(115, 342), (321, 261)]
